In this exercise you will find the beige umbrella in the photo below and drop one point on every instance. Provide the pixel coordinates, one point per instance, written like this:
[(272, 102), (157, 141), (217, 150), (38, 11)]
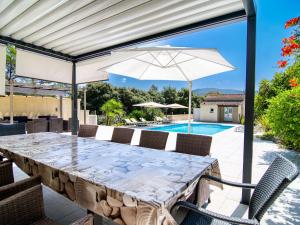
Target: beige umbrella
[(176, 106), (150, 105)]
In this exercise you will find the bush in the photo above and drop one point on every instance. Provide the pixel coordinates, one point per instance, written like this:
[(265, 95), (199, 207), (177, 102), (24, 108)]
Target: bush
[(151, 113), (137, 114), (283, 116)]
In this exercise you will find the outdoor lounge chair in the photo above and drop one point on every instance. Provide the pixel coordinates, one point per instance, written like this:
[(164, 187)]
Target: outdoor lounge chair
[(193, 144), (138, 123), (277, 177), (153, 139), (129, 122), (146, 121), (122, 135), (87, 131), (21, 203)]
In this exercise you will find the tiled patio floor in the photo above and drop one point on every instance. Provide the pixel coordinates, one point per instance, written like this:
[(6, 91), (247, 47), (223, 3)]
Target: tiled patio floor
[(227, 147)]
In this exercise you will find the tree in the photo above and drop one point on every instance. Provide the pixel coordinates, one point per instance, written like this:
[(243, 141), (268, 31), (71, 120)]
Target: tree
[(112, 110), (283, 116), (170, 95)]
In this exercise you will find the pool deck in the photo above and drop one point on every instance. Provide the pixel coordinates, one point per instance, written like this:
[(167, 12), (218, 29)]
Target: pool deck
[(227, 147)]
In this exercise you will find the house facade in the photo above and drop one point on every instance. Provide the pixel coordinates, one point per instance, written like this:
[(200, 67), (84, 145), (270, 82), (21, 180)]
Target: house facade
[(223, 108)]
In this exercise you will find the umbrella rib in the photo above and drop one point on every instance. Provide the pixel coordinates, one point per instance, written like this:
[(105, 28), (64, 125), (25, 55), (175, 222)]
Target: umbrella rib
[(156, 58), (149, 64), (181, 71), (172, 59), (210, 61)]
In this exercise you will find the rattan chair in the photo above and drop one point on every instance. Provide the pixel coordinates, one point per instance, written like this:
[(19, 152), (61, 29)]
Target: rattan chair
[(12, 129), (37, 126), (193, 144), (277, 177), (56, 125), (153, 139), (87, 130), (6, 173), (23, 205), (122, 135)]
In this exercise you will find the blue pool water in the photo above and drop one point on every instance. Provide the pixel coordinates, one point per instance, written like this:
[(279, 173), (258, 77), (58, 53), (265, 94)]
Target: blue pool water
[(196, 128)]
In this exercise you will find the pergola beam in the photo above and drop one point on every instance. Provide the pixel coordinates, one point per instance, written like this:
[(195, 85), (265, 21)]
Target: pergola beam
[(35, 48)]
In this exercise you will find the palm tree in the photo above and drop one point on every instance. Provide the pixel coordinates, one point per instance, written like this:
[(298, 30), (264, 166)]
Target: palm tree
[(112, 109)]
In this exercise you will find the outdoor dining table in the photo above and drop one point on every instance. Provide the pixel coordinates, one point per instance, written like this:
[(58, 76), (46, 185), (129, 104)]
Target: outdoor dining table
[(127, 184)]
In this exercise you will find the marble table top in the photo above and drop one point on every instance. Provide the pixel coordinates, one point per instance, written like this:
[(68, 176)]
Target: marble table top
[(146, 174)]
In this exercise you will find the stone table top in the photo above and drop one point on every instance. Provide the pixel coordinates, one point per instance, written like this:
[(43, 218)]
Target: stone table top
[(148, 175)]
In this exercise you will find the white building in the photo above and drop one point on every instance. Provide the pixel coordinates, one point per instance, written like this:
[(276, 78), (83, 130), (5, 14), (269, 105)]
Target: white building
[(223, 108)]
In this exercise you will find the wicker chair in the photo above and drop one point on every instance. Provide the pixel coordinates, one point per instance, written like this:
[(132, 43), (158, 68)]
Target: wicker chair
[(6, 173), (56, 125), (193, 144), (153, 139), (122, 135), (277, 177), (23, 205), (87, 130), (37, 125), (12, 129)]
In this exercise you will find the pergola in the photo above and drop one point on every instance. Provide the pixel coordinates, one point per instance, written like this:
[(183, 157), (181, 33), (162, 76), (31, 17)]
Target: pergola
[(64, 41)]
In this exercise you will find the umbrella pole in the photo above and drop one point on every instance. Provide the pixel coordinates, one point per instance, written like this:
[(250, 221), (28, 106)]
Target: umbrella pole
[(190, 106), (11, 101)]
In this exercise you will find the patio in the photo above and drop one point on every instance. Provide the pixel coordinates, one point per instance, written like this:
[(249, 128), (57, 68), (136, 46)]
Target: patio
[(72, 41), (227, 147)]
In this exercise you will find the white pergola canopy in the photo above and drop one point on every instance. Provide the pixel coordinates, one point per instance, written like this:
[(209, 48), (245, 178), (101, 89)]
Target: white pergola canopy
[(76, 27)]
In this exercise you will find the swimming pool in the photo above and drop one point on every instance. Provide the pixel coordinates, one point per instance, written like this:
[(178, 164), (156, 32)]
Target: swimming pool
[(196, 128)]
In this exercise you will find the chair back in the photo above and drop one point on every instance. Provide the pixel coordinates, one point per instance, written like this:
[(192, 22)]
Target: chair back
[(122, 135), (37, 125), (56, 125), (6, 173), (12, 129), (277, 177), (193, 144), (87, 130), (153, 139)]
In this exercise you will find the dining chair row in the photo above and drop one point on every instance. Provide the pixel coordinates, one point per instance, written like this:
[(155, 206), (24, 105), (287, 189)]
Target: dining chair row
[(186, 143)]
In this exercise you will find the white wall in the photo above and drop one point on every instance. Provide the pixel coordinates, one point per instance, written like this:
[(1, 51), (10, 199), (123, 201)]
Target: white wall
[(206, 115)]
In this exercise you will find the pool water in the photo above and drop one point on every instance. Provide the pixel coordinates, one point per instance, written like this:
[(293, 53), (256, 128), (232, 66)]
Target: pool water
[(196, 128)]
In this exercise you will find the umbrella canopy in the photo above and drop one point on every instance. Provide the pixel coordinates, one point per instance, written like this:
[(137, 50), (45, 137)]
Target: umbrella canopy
[(176, 106), (168, 63), (150, 105)]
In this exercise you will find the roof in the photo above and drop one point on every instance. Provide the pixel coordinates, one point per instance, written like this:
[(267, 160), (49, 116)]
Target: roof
[(74, 28), (222, 103), (225, 98)]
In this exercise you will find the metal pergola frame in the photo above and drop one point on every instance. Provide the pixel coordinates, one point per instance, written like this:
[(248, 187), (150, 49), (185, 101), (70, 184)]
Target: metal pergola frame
[(249, 14)]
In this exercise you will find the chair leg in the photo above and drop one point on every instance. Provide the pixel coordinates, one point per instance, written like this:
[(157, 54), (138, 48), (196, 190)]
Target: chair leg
[(209, 200)]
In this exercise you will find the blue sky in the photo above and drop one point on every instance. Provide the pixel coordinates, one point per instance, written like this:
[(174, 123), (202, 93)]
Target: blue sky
[(230, 40)]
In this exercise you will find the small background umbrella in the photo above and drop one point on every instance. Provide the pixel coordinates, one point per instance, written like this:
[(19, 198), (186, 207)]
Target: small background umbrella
[(150, 105)]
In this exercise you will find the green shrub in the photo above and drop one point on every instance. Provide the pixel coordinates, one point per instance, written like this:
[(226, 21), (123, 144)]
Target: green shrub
[(151, 113), (242, 120), (283, 116), (137, 114)]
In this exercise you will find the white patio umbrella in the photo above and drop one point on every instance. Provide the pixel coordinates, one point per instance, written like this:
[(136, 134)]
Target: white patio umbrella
[(150, 105), (176, 106), (168, 63)]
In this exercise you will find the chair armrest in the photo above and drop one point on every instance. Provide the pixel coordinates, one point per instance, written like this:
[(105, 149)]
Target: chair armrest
[(14, 188), (234, 184), (25, 207), (204, 212), (87, 220)]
